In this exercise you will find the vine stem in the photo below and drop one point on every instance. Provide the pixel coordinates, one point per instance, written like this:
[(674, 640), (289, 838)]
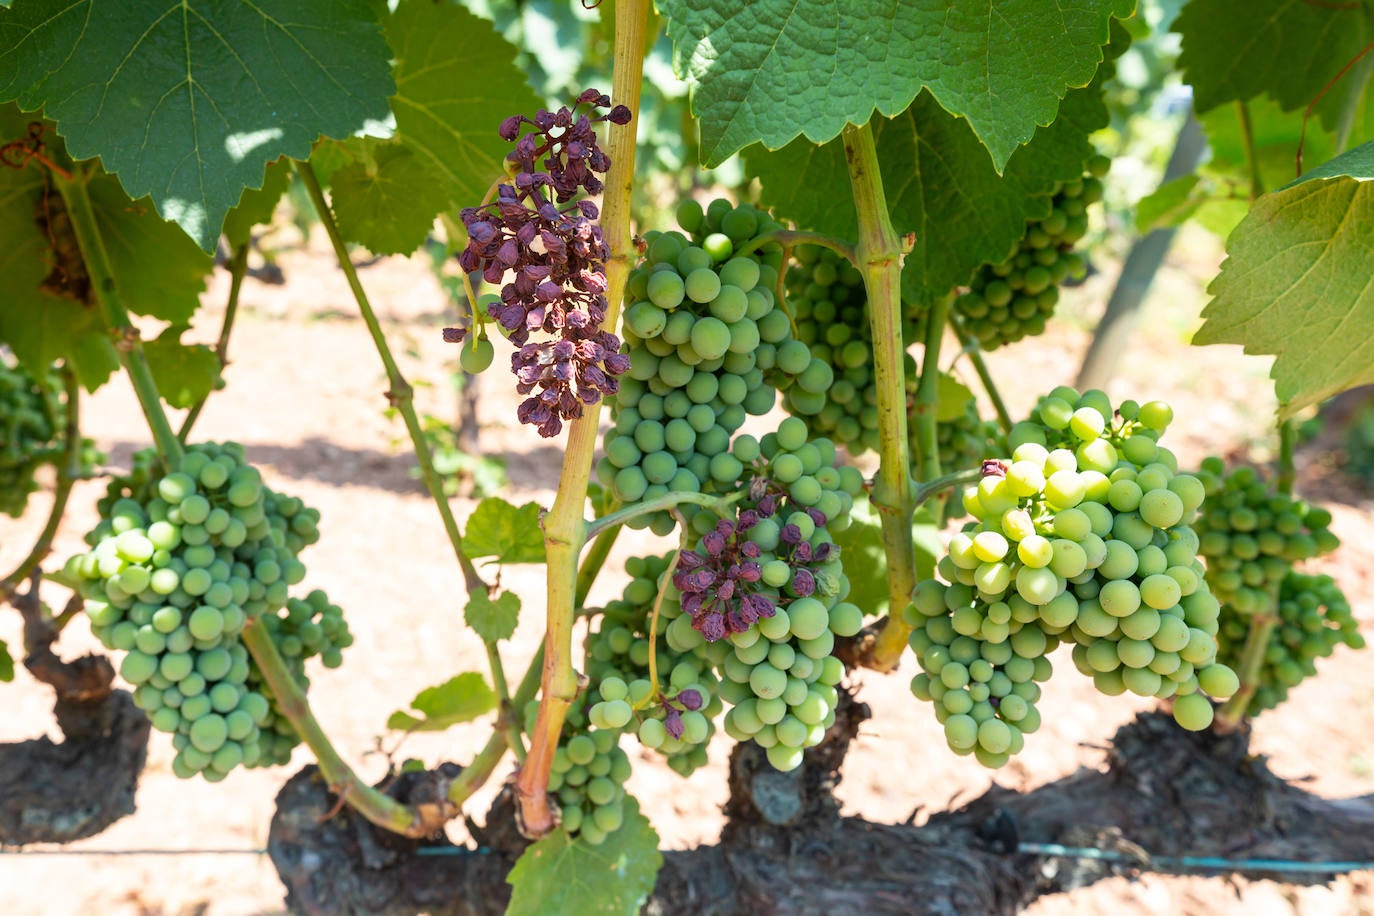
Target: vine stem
[(564, 526), (1247, 133), (791, 238), (959, 478), (717, 504), (1262, 625), (378, 808), (127, 342), (66, 477), (1287, 470), (476, 773), (400, 393), (980, 366), (879, 258), (509, 722), (238, 267)]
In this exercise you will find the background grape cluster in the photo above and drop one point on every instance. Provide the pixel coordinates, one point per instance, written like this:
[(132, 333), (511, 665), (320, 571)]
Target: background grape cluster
[(180, 563), (1015, 297)]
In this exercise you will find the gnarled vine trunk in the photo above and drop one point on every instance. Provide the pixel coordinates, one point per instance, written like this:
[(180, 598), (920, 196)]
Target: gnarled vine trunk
[(786, 850)]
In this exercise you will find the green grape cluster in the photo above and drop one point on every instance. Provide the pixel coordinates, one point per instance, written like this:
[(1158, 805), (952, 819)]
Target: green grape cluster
[(697, 314), (30, 430), (826, 373), (1251, 535), (587, 775), (305, 628), (1082, 536), (180, 562), (1013, 299), (1313, 619), (678, 721), (779, 674)]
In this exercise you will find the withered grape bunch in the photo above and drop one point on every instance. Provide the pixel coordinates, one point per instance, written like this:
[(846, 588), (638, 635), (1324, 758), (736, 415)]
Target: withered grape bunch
[(546, 244)]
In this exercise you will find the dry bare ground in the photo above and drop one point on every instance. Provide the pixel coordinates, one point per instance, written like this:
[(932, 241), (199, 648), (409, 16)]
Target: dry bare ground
[(305, 395)]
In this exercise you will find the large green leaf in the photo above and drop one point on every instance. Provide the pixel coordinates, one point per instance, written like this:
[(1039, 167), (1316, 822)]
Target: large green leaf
[(560, 876), (6, 663), (188, 100), (938, 183), (1235, 50), (772, 70), (1296, 282), (455, 82), (385, 203), (158, 271), (39, 323)]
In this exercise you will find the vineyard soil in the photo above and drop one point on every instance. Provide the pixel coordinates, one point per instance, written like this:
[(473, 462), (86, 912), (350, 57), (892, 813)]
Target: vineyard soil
[(305, 396)]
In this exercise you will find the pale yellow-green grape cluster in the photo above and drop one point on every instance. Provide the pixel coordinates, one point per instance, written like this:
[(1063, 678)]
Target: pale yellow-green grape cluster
[(696, 316), (180, 562), (1252, 535), (1313, 619), (1082, 535)]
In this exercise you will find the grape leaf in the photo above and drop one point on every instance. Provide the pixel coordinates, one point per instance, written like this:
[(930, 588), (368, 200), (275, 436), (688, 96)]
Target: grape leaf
[(1296, 282), (560, 876), (954, 397), (384, 203), (938, 185), (459, 699), (498, 529), (1170, 204), (773, 70), (1234, 50), (39, 324), (6, 663), (185, 373), (257, 205), (441, 50), (492, 621), (865, 561), (167, 287), (188, 101)]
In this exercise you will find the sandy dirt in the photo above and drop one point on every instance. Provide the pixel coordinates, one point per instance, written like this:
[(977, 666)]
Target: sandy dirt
[(305, 395)]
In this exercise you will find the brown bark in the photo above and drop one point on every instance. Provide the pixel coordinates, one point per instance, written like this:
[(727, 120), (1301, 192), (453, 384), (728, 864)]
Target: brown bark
[(785, 850)]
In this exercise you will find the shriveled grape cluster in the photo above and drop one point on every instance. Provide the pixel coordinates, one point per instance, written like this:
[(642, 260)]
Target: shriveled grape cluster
[(1081, 536), (696, 317), (1013, 298), (180, 563), (1313, 619), (1251, 535)]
